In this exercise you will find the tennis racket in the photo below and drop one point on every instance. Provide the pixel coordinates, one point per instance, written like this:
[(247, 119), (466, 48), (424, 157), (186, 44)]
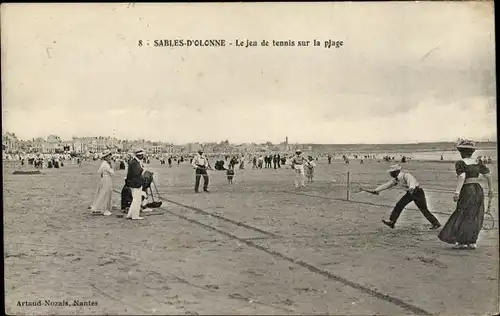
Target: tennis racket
[(358, 188), (489, 220)]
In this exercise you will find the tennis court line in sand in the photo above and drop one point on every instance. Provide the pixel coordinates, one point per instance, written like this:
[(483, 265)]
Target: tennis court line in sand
[(379, 295)]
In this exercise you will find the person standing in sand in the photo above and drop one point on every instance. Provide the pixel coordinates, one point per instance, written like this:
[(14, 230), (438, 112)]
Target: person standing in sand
[(230, 173), (414, 193), (200, 165), (298, 162), (242, 162), (260, 162), (134, 181), (275, 161), (464, 225), (102, 202), (310, 169)]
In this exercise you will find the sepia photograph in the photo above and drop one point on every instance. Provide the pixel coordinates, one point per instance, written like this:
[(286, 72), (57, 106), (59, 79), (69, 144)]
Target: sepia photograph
[(320, 158)]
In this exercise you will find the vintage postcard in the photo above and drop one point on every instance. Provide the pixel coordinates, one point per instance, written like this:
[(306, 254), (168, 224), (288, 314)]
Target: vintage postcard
[(250, 158)]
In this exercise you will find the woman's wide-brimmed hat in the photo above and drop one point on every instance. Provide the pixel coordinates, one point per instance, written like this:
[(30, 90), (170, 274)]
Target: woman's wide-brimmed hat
[(394, 168), (139, 152), (106, 153), (298, 151), (465, 144)]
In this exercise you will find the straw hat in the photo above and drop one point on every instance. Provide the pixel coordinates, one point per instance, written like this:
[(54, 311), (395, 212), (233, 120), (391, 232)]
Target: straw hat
[(106, 153), (139, 152), (298, 151), (465, 144), (394, 168)]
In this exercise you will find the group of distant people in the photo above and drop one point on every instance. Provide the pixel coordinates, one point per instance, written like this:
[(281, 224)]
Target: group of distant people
[(303, 167), (40, 162), (170, 160), (269, 161), (461, 229)]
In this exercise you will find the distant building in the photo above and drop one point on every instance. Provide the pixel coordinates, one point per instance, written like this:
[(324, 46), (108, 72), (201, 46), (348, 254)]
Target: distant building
[(162, 148), (54, 139), (80, 145), (284, 146), (38, 145), (169, 148), (157, 149), (193, 147), (10, 143), (25, 145), (124, 146)]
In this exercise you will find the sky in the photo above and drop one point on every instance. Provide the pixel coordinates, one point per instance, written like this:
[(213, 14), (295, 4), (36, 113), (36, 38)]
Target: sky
[(407, 72)]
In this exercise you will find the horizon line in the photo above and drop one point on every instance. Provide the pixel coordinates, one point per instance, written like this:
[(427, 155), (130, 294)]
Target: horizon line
[(258, 143)]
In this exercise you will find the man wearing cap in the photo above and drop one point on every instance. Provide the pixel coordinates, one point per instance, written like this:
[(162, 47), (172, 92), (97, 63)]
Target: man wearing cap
[(298, 162), (134, 182), (414, 193), (200, 164)]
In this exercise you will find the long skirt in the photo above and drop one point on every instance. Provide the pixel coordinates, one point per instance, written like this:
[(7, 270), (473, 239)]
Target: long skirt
[(102, 201), (465, 223)]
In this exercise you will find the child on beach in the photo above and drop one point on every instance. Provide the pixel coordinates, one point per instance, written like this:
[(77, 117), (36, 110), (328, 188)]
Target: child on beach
[(310, 169), (230, 173)]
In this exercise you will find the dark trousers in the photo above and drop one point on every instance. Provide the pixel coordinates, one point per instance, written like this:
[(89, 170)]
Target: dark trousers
[(275, 164), (201, 172), (418, 197)]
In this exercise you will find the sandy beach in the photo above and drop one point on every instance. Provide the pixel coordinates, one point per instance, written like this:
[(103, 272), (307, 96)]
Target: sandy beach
[(410, 83), (259, 246)]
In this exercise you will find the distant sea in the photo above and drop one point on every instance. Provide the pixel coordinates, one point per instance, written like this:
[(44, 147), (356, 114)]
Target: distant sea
[(422, 151), (448, 155)]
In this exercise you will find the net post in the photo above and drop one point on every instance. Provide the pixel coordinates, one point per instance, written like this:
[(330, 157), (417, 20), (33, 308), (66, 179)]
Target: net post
[(348, 184)]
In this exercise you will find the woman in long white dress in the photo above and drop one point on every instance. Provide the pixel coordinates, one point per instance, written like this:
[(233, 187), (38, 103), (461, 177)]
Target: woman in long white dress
[(102, 202)]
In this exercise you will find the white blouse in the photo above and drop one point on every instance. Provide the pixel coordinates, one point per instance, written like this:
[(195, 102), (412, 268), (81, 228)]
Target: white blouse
[(105, 169)]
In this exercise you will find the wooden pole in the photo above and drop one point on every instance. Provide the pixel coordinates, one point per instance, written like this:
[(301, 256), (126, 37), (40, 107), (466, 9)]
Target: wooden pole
[(348, 184)]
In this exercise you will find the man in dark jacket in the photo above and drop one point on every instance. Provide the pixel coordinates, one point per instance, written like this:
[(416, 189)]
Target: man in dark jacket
[(126, 194), (134, 181)]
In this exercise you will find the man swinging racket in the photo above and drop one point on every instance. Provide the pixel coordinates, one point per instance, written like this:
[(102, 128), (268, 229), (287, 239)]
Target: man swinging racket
[(414, 193)]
